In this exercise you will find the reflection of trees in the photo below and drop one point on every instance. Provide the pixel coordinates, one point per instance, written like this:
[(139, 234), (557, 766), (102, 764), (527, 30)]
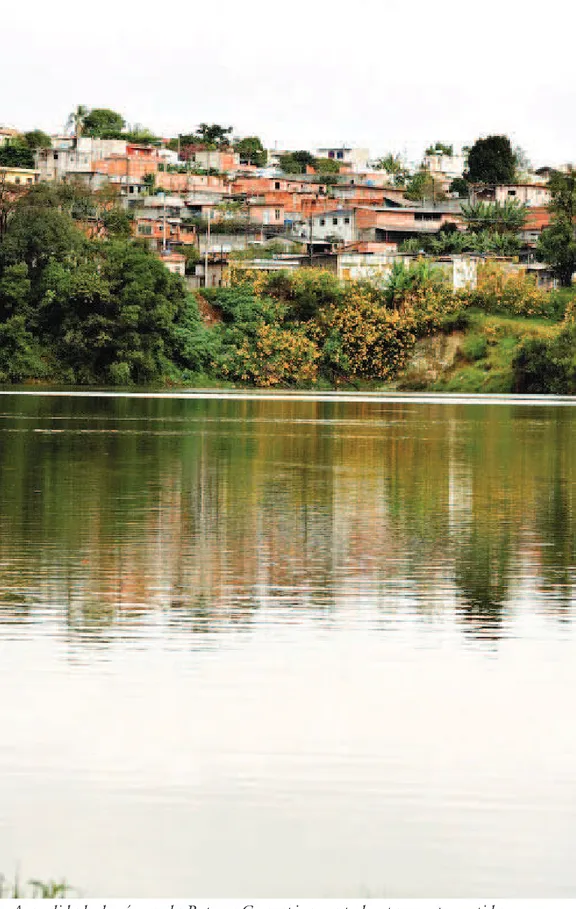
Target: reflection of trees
[(556, 515), (202, 514), (482, 578)]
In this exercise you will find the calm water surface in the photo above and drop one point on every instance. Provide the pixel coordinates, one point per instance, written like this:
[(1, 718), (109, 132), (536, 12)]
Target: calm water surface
[(285, 648)]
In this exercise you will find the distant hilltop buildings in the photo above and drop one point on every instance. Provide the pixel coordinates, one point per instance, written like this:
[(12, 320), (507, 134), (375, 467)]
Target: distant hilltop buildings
[(224, 196)]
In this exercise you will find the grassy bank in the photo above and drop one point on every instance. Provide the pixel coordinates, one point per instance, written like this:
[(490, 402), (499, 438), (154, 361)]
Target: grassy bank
[(476, 359)]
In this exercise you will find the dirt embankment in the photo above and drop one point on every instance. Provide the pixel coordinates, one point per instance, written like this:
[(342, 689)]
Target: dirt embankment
[(210, 315), (431, 359)]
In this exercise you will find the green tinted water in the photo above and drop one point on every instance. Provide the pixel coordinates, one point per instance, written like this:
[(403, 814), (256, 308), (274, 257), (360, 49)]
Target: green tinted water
[(288, 647)]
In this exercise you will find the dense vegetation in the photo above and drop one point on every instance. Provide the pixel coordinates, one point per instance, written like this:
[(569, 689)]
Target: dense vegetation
[(75, 310), (308, 328), (88, 311)]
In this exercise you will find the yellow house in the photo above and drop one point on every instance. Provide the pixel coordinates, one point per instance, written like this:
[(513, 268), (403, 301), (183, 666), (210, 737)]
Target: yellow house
[(19, 175)]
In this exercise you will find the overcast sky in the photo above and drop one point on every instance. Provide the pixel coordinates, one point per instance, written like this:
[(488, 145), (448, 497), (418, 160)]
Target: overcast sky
[(381, 74)]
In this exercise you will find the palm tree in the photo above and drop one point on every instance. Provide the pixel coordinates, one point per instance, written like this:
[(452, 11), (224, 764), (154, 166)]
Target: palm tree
[(497, 217), (76, 119)]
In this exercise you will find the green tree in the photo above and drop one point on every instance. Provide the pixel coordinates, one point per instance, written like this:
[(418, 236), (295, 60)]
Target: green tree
[(36, 138), (9, 195), (422, 188), (394, 165), (440, 148), (460, 186), (16, 154), (297, 162), (100, 121), (39, 232), (326, 166), (557, 245), (14, 291), (138, 133), (212, 134), (547, 366), (117, 223), (496, 217), (119, 317), (251, 151), (491, 160)]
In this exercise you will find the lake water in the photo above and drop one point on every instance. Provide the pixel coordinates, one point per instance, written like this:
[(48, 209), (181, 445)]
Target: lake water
[(288, 647)]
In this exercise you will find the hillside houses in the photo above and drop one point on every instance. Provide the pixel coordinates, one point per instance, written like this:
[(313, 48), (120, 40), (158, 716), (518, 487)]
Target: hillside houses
[(180, 195)]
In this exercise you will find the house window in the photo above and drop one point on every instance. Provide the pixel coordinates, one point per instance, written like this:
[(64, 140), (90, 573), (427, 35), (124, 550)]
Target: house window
[(322, 222), (346, 220), (511, 192), (145, 229), (334, 220), (276, 185), (277, 214), (427, 216), (340, 156), (330, 154)]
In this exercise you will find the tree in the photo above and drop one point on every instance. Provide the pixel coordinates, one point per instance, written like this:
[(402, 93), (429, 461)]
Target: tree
[(395, 166), (547, 365), (138, 133), (495, 217), (16, 153), (9, 195), (557, 247), (211, 134), (422, 187), (76, 120), (101, 121), (460, 186), (251, 151), (297, 162), (39, 232), (491, 160), (121, 317), (440, 148), (557, 244), (36, 138), (117, 223), (326, 166)]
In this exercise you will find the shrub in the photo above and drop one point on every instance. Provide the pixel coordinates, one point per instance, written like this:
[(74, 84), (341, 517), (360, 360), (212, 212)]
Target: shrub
[(270, 356), (369, 340), (474, 347), (513, 292), (544, 366)]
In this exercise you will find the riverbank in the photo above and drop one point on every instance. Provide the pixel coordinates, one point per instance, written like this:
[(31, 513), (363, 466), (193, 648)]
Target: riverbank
[(479, 359)]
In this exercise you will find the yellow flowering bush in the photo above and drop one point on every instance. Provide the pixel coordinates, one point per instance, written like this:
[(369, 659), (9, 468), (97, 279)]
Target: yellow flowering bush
[(500, 290), (364, 338), (570, 312), (272, 356)]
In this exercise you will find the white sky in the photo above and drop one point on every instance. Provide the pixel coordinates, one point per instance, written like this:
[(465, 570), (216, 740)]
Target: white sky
[(382, 74)]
